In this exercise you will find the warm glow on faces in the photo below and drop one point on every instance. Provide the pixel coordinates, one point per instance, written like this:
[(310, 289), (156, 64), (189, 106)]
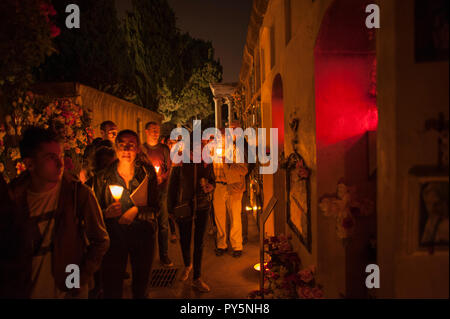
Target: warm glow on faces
[(127, 148), (48, 163), (116, 191), (153, 132)]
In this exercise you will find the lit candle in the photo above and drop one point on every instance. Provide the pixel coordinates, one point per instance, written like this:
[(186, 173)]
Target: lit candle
[(257, 267), (157, 169), (116, 191)]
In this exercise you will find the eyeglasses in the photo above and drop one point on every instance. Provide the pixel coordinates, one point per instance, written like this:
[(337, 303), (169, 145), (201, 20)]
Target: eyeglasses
[(127, 146)]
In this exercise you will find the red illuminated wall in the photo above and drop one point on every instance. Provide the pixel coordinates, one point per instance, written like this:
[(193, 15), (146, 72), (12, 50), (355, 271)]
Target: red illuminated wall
[(278, 110), (345, 102), (345, 74), (345, 106)]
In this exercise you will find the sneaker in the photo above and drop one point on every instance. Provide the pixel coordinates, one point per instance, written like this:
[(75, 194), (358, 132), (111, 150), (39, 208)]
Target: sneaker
[(200, 285), (237, 253), (185, 274), (220, 251), (166, 262)]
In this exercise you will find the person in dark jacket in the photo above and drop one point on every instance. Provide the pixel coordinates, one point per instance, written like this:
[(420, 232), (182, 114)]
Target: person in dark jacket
[(55, 221), (108, 131), (130, 224), (183, 190)]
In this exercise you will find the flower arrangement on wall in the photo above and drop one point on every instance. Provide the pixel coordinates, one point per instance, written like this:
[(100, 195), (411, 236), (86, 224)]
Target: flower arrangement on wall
[(69, 120), (284, 278), (344, 207)]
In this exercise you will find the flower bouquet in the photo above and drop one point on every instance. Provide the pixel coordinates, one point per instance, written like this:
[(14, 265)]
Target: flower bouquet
[(283, 278), (69, 120)]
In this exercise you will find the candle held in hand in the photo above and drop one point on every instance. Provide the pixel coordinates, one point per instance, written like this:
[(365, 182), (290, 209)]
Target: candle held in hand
[(116, 191)]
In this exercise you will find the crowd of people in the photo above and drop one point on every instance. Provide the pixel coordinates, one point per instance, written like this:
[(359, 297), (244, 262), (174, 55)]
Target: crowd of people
[(127, 197)]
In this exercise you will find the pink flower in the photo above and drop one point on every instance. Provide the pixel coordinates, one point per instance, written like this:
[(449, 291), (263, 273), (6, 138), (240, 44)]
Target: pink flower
[(285, 246), (306, 275), (304, 292), (317, 293)]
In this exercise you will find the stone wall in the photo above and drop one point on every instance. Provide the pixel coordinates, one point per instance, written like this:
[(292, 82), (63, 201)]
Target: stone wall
[(103, 106), (409, 93)]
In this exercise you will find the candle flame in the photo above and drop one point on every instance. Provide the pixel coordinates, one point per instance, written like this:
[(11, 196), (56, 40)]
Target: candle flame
[(257, 267), (157, 169), (116, 191)]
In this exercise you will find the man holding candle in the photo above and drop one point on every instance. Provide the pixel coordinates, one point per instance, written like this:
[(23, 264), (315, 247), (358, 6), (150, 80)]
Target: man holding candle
[(131, 224), (159, 156), (230, 186)]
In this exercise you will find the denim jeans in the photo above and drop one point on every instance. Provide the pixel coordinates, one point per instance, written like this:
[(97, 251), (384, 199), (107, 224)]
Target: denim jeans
[(163, 225), (185, 226), (137, 241)]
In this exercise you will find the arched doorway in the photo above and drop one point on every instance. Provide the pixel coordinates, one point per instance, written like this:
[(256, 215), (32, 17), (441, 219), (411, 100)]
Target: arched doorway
[(346, 122), (279, 178)]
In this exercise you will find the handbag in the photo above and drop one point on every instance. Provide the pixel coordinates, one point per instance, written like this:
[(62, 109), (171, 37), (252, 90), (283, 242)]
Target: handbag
[(186, 209)]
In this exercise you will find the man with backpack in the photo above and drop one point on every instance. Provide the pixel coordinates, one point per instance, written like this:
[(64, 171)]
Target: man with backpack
[(56, 226)]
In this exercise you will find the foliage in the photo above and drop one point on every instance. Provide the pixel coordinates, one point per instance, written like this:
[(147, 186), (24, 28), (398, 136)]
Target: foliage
[(195, 99), (283, 278), (94, 54), (25, 40), (143, 58), (69, 120), (151, 35)]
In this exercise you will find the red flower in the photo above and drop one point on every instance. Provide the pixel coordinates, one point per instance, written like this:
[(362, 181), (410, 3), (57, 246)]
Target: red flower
[(306, 275), (347, 223), (54, 31)]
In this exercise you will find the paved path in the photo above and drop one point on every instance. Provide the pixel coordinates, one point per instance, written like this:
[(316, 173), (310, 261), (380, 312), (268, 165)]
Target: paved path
[(228, 277)]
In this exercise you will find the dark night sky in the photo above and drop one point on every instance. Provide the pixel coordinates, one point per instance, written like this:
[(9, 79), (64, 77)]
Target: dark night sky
[(223, 22)]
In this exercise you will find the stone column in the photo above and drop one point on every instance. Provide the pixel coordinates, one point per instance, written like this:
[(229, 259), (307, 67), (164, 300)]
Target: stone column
[(228, 100), (218, 111)]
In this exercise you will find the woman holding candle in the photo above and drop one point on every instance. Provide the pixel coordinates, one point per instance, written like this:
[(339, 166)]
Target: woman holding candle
[(131, 224)]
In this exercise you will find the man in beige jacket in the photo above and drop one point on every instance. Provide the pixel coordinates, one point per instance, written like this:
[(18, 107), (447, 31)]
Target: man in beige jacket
[(230, 185)]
